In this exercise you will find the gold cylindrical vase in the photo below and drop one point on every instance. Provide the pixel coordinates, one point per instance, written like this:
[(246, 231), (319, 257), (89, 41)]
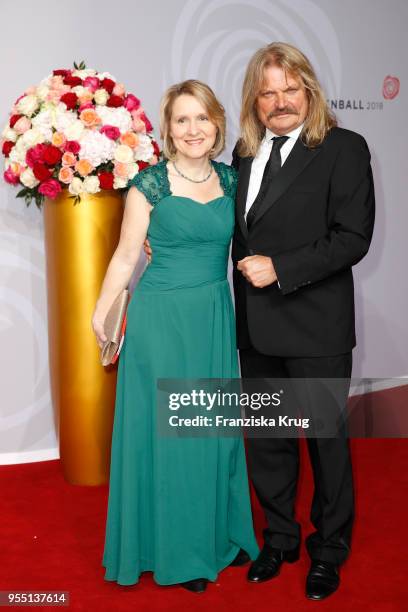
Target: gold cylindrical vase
[(79, 242)]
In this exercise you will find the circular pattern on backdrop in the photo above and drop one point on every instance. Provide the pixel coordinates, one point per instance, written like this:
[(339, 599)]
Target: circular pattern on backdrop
[(213, 41), (27, 419)]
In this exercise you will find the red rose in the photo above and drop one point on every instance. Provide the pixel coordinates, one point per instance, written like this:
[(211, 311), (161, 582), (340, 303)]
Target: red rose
[(115, 101), (52, 155), (110, 131), (41, 172), (108, 84), (7, 146), (61, 72), (14, 119), (50, 188), (106, 180), (70, 99), (142, 165), (72, 81), (72, 146), (156, 148), (35, 154)]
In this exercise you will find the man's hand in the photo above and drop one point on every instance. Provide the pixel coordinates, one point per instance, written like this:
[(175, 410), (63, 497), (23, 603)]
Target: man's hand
[(258, 270), (148, 251)]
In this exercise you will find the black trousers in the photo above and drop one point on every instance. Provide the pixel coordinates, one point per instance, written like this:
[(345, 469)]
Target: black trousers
[(273, 465)]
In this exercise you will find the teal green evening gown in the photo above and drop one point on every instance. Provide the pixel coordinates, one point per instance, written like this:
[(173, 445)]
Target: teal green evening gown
[(178, 507)]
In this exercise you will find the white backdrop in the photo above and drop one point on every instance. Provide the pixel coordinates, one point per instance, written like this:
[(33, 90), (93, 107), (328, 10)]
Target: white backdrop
[(354, 45)]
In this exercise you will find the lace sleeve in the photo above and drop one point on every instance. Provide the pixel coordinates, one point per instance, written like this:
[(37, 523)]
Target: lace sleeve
[(229, 179), (151, 182)]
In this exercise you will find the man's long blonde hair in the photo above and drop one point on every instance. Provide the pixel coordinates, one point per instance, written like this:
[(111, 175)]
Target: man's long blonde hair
[(319, 118)]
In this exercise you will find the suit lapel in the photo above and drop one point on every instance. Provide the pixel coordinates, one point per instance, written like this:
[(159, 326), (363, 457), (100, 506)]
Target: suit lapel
[(242, 191), (298, 159)]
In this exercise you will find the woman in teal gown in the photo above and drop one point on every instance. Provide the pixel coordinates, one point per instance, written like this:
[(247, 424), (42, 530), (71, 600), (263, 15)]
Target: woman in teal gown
[(179, 507)]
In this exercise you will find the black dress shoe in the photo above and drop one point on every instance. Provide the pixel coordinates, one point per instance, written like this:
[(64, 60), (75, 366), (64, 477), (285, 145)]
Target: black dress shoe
[(241, 558), (269, 562), (322, 580), (195, 586)]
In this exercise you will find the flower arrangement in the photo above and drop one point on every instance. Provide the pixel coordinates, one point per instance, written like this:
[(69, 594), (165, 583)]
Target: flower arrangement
[(78, 129)]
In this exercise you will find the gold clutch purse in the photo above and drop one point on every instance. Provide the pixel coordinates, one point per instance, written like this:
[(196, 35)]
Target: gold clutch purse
[(114, 328)]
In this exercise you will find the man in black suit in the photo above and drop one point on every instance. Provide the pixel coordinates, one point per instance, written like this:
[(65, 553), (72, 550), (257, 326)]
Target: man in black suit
[(305, 216)]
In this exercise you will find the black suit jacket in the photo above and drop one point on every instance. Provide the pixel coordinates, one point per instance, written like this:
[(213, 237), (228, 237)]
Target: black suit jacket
[(315, 222)]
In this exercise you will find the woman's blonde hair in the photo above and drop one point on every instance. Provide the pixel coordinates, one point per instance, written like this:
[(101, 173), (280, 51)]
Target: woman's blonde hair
[(319, 118), (205, 95)]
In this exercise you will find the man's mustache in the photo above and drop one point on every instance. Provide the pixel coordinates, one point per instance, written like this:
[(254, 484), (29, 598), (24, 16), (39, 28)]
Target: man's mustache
[(282, 111)]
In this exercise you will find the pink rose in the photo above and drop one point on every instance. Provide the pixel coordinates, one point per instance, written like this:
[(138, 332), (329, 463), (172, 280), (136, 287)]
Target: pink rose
[(121, 170), (92, 83), (10, 177), (119, 89), (50, 189), (84, 106), (131, 102), (110, 131), (66, 175), (56, 82), (138, 125), (22, 125)]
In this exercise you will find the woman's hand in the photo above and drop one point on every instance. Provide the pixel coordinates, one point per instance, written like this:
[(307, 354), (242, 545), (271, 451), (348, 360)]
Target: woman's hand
[(133, 231), (98, 327), (148, 250)]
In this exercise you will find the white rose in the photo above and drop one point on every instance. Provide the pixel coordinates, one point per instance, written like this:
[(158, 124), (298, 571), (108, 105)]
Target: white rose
[(42, 92), (96, 147), (86, 72), (123, 154), (105, 75), (28, 105), (91, 184), (144, 151), (74, 131), (43, 122), (75, 186), (101, 96), (32, 137), (28, 179), (79, 90), (9, 134), (61, 117), (119, 183), (18, 154), (44, 118), (133, 170), (119, 117)]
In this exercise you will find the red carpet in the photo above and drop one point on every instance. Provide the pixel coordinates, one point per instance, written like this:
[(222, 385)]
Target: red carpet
[(51, 538)]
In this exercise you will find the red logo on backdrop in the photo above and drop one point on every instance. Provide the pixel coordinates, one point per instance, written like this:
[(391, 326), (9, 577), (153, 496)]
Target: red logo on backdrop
[(391, 87)]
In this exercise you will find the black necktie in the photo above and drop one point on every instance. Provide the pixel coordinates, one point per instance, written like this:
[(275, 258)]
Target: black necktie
[(273, 165)]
